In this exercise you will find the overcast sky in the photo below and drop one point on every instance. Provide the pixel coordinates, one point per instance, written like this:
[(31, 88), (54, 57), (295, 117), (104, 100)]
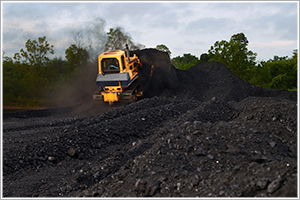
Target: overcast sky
[(184, 27)]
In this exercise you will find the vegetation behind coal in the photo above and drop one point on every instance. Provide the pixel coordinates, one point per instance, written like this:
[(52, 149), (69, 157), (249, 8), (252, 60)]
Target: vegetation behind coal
[(41, 81)]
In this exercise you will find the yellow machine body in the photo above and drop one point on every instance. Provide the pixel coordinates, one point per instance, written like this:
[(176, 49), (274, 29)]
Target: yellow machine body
[(111, 93), (116, 72)]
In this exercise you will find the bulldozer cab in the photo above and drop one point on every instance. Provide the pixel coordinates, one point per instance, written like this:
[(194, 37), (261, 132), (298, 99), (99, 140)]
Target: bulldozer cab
[(110, 65), (111, 62)]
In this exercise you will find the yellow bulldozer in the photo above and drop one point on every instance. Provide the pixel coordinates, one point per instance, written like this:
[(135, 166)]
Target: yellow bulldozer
[(118, 77)]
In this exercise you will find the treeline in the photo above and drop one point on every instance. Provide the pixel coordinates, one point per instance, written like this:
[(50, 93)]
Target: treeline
[(276, 73), (30, 77)]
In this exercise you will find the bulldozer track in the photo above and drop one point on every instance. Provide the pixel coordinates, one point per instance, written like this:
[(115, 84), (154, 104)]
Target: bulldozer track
[(128, 96)]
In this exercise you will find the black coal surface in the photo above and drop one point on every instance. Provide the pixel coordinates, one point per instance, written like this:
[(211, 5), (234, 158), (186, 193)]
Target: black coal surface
[(202, 132), (164, 75)]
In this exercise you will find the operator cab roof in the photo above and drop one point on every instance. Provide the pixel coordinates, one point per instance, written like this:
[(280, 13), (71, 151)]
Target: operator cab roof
[(113, 53)]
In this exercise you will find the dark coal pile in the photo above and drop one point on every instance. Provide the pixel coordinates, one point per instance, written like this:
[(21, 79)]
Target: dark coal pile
[(203, 132), (164, 75), (213, 153), (213, 79)]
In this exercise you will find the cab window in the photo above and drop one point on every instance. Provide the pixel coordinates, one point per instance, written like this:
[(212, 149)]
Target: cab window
[(110, 65)]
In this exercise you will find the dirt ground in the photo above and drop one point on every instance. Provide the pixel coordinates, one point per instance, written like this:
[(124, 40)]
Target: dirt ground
[(202, 132)]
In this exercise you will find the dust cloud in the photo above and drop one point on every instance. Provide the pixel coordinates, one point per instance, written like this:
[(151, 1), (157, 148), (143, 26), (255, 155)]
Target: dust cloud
[(78, 91)]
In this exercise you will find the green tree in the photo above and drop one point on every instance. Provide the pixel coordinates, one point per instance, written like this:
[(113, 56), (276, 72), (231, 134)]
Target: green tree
[(117, 39), (240, 37), (282, 72), (59, 65), (9, 88), (235, 56), (185, 62), (260, 76), (35, 53), (277, 58), (204, 58), (31, 67), (164, 48), (76, 57)]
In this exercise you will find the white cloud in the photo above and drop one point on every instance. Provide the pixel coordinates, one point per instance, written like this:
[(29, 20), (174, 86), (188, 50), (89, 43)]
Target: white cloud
[(208, 25), (272, 44), (267, 50)]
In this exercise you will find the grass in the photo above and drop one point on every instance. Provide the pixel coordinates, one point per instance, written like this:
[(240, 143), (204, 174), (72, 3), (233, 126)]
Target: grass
[(294, 89)]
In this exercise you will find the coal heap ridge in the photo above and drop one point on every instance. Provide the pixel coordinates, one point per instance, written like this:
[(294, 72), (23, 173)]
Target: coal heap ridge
[(201, 82), (202, 132)]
